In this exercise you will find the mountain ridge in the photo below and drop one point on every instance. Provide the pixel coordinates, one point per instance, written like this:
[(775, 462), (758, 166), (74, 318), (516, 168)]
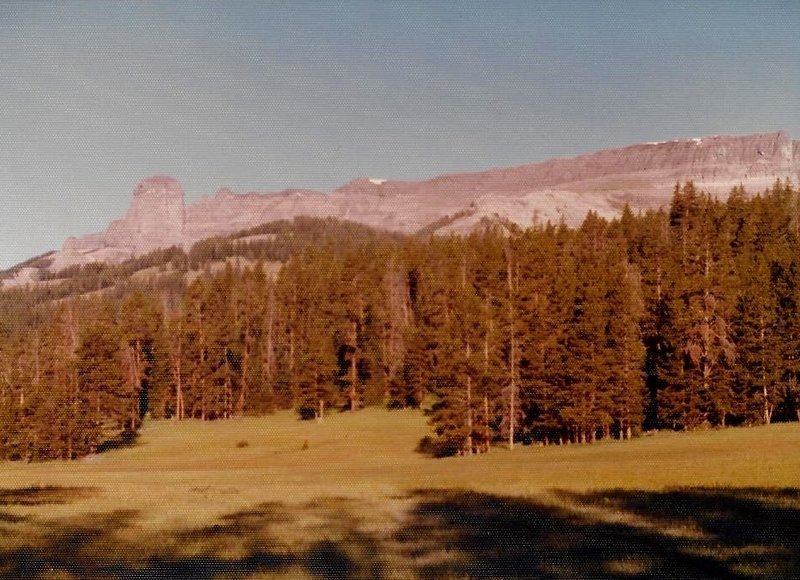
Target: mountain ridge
[(560, 188)]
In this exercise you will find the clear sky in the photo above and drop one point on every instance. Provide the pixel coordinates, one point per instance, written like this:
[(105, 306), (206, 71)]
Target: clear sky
[(260, 96)]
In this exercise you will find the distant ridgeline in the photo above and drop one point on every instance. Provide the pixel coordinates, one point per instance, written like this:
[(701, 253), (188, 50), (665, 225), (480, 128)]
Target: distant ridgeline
[(678, 319), (556, 190)]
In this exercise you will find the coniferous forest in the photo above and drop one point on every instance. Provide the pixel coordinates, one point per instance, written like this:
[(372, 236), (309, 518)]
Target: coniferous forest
[(681, 319)]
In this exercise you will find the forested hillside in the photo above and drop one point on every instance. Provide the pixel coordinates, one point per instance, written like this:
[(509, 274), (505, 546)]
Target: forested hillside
[(675, 319)]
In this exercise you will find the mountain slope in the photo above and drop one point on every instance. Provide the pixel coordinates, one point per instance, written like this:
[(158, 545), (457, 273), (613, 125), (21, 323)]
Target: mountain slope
[(558, 189)]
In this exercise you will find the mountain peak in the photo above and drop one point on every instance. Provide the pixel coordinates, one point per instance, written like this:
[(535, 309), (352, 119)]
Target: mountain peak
[(642, 175), (159, 185)]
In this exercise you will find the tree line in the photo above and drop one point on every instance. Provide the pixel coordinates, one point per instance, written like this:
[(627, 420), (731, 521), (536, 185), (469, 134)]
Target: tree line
[(680, 318)]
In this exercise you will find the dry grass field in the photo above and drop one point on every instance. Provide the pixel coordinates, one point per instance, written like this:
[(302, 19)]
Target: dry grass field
[(349, 498)]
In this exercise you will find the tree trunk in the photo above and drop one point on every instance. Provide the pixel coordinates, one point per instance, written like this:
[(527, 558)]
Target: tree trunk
[(269, 363), (203, 359), (291, 367), (246, 357), (353, 394), (202, 401), (139, 374), (179, 403), (37, 367), (765, 392), (469, 444), (486, 351), (767, 407), (228, 390), (512, 403), (487, 432), (176, 355)]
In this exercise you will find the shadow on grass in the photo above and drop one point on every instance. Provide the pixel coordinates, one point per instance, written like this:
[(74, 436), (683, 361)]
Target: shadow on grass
[(692, 533), (37, 496), (70, 548), (686, 533), (124, 439), (43, 495), (325, 543)]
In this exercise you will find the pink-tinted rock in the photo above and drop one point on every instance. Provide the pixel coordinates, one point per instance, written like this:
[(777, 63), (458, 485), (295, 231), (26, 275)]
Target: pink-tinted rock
[(155, 219), (558, 189)]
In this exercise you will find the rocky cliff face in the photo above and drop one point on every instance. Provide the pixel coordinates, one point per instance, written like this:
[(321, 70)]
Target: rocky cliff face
[(155, 219), (227, 212), (642, 175), (156, 216)]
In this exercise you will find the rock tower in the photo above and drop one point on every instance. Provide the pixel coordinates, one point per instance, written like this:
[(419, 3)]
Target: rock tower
[(156, 218)]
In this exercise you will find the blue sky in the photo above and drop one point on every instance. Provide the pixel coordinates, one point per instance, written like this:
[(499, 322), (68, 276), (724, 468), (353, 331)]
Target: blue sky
[(260, 96)]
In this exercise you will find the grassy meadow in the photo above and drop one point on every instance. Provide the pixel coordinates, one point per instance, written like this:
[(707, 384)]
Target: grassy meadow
[(349, 497)]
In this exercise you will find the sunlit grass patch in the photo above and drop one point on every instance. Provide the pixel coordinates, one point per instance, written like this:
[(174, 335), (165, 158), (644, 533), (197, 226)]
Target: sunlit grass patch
[(186, 501)]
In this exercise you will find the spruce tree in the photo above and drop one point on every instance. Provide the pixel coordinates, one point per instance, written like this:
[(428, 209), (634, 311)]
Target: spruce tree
[(140, 321), (101, 373), (700, 301)]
